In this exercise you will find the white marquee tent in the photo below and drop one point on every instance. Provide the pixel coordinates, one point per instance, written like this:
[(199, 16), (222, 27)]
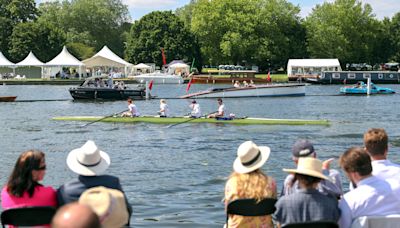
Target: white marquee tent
[(303, 66), (107, 58), (142, 67), (31, 60), (4, 62), (179, 68), (66, 59)]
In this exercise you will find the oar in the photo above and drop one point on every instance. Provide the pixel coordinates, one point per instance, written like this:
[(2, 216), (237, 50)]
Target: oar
[(190, 119), (105, 117)]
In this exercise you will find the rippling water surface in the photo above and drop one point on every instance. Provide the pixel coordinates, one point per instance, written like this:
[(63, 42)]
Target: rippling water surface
[(174, 177)]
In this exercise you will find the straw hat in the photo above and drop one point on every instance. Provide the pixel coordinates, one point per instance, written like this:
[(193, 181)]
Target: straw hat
[(308, 166), (108, 204), (88, 160), (250, 157)]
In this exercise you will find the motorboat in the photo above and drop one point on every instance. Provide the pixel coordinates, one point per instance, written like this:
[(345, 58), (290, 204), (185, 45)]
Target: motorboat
[(7, 98), (362, 88), (97, 88), (266, 90), (159, 77)]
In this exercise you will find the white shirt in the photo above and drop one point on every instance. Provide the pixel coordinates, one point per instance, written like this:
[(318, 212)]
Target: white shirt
[(196, 112), (165, 109), (133, 109), (221, 110), (372, 196), (385, 169)]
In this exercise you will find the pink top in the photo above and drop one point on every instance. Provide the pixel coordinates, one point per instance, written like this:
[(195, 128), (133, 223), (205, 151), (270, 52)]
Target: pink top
[(42, 196)]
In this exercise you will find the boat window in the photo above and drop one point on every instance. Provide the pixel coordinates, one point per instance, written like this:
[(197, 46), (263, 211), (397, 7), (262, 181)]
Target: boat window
[(336, 75), (366, 75), (351, 75), (380, 76)]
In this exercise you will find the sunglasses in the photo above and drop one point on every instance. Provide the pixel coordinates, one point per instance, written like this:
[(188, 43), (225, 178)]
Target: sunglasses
[(41, 168)]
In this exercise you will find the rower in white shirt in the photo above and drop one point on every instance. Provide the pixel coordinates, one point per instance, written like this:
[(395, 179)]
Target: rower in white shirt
[(372, 196), (196, 111), (221, 110), (164, 109)]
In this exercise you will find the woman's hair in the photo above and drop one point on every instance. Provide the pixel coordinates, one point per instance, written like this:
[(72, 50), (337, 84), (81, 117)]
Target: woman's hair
[(21, 179), (252, 185)]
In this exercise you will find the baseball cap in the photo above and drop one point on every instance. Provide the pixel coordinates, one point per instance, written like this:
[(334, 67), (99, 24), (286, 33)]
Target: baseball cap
[(302, 148)]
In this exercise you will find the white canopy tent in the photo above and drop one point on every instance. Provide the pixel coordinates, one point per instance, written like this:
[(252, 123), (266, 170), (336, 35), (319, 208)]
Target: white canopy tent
[(311, 66), (31, 60), (142, 67), (179, 69), (105, 57), (66, 59), (4, 62)]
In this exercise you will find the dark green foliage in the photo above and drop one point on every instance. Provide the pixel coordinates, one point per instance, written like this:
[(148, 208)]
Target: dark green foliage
[(161, 30)]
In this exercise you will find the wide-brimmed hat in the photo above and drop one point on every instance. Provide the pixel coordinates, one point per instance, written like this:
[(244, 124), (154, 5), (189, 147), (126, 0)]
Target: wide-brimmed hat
[(88, 160), (308, 166), (108, 204), (250, 157)]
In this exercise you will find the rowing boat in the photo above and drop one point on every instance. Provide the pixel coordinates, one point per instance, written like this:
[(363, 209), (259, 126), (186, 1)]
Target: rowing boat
[(175, 120), (7, 98)]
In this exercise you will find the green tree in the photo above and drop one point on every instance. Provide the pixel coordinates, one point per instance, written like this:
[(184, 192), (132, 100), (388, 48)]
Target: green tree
[(261, 32), (394, 31), (93, 23), (13, 12), (161, 30), (43, 39), (344, 29)]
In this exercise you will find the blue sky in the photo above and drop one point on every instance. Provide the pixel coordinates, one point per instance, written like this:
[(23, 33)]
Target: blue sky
[(139, 8)]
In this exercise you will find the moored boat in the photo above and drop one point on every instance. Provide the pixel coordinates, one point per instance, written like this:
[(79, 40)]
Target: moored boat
[(94, 88), (7, 98), (361, 88), (159, 78), (269, 90), (175, 120)]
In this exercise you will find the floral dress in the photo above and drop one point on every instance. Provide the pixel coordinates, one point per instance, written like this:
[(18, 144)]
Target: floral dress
[(232, 193)]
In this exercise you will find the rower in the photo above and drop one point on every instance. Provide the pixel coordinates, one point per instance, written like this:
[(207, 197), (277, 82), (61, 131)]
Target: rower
[(164, 110), (196, 112), (221, 110), (133, 110)]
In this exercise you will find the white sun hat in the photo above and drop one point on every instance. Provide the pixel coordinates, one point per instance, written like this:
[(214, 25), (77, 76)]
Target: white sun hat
[(250, 157), (88, 160), (309, 166)]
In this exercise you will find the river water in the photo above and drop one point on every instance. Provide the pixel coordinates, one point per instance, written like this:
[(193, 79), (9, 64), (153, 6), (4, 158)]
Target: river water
[(174, 177)]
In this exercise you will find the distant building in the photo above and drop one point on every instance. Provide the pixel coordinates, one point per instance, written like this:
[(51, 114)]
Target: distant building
[(310, 68)]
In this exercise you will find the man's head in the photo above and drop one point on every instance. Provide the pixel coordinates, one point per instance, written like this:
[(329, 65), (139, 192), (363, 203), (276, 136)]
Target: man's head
[(302, 148), (75, 215), (356, 162), (219, 101), (376, 142)]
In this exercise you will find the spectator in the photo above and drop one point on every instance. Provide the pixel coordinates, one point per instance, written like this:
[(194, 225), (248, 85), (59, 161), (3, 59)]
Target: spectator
[(75, 215), (307, 203), (108, 204), (376, 145), (248, 181), (371, 197), (23, 187), (304, 148), (89, 162)]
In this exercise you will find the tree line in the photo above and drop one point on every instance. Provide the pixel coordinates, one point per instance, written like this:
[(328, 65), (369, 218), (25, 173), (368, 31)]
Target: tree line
[(246, 32)]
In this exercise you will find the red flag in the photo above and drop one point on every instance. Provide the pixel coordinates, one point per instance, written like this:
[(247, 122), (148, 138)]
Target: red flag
[(151, 85), (189, 84), (164, 59), (268, 76)]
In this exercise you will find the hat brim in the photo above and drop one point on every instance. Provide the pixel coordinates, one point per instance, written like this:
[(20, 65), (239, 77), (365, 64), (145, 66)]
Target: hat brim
[(240, 168), (76, 167), (308, 173)]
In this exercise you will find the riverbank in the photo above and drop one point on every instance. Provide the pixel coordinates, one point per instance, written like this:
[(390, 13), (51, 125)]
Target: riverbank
[(40, 81)]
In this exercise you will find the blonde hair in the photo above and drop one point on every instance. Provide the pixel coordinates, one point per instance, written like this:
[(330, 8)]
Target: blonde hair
[(163, 101), (255, 185)]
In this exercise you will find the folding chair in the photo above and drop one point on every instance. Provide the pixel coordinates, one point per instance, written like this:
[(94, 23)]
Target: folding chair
[(250, 207), (313, 224), (27, 216)]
